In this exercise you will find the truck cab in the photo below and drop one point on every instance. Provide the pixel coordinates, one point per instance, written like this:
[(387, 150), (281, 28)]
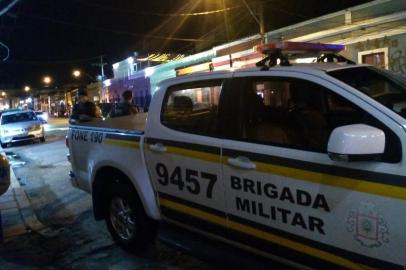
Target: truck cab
[(301, 163)]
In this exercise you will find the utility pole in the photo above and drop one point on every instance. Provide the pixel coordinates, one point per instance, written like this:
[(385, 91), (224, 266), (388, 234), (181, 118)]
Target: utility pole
[(259, 17), (101, 65), (260, 10), (227, 28)]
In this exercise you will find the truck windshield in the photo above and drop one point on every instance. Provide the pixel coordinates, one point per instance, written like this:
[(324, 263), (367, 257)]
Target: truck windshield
[(385, 87)]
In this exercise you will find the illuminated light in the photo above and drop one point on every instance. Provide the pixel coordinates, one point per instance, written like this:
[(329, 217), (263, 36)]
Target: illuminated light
[(116, 65), (307, 60), (3, 94), (27, 88), (21, 101), (191, 69), (130, 60), (76, 73), (107, 83), (165, 57), (149, 71), (28, 100), (47, 80), (237, 64)]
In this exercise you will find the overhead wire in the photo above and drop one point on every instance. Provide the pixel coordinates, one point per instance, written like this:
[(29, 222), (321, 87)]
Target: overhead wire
[(176, 25), (175, 14), (15, 18), (57, 62), (291, 13), (200, 39), (124, 32), (7, 51), (115, 31), (245, 16), (8, 7), (2, 12), (237, 20)]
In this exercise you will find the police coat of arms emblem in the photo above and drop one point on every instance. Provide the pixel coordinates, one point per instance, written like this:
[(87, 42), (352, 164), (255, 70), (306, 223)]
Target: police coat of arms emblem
[(368, 227)]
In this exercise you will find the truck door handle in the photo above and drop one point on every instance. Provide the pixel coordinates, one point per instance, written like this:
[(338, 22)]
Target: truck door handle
[(158, 147), (242, 163)]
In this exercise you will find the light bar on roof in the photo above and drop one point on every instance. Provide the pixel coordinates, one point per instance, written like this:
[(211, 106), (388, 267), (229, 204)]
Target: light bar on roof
[(298, 47)]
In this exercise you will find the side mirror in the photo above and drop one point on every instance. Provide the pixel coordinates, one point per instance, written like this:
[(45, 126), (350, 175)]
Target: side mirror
[(357, 142)]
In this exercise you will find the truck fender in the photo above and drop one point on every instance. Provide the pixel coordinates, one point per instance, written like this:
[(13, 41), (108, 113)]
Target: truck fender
[(109, 173)]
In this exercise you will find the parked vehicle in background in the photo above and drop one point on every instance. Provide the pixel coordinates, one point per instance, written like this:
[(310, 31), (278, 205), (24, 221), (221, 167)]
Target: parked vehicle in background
[(20, 126), (42, 116)]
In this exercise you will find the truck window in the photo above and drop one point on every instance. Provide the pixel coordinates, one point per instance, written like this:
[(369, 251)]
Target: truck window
[(192, 108), (387, 88), (300, 114)]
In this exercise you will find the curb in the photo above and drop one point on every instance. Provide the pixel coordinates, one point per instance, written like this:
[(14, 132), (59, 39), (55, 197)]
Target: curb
[(30, 220), (20, 217)]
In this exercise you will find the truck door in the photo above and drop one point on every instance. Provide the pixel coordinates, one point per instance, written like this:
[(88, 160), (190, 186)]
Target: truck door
[(183, 155), (285, 196)]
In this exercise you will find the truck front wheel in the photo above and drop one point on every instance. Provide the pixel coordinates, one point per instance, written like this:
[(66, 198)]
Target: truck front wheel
[(126, 219)]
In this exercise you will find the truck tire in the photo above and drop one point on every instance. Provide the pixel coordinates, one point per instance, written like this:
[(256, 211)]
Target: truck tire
[(126, 219)]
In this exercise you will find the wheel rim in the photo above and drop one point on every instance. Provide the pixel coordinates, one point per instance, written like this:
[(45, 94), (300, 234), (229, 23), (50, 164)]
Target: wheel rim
[(122, 218)]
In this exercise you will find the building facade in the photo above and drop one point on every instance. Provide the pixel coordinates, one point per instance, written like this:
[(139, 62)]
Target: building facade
[(374, 33)]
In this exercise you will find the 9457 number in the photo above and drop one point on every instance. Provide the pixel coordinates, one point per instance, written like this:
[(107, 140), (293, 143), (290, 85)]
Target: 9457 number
[(189, 179)]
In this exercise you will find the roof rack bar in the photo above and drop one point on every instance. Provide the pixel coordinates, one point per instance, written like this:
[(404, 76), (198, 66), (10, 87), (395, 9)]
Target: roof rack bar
[(332, 57), (277, 52)]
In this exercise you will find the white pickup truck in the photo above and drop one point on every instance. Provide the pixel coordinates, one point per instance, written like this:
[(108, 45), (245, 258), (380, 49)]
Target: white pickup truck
[(304, 164)]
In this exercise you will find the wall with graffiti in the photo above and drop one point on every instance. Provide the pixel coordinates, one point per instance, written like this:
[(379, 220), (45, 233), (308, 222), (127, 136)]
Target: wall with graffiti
[(395, 51), (397, 56)]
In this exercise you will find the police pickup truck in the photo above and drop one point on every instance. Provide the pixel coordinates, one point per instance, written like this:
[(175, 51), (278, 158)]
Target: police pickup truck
[(301, 163)]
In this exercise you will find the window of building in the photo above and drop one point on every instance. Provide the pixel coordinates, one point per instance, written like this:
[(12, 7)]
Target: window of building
[(192, 108), (377, 57)]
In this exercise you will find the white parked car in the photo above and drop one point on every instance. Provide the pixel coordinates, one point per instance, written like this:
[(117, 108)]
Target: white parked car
[(20, 126)]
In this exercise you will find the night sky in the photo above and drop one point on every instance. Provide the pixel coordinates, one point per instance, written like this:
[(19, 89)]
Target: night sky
[(55, 36)]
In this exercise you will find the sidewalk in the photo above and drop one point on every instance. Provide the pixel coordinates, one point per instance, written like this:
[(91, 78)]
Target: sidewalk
[(17, 216)]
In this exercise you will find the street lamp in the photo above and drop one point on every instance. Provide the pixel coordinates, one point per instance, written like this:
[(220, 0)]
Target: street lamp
[(47, 80), (27, 88), (76, 73)]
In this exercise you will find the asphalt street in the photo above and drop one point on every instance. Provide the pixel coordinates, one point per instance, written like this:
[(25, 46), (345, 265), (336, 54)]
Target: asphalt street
[(73, 240)]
